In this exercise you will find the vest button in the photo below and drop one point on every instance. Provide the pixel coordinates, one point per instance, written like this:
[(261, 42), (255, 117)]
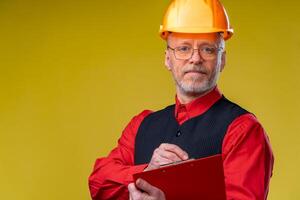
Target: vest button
[(178, 133)]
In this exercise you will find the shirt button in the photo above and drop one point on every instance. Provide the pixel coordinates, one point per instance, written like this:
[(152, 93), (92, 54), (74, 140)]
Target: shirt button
[(178, 133)]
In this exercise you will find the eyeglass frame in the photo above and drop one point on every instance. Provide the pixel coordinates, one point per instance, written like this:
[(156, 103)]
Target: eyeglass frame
[(173, 49)]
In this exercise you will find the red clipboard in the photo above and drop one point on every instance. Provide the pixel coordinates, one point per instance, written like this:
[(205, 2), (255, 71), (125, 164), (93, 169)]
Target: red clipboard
[(199, 179)]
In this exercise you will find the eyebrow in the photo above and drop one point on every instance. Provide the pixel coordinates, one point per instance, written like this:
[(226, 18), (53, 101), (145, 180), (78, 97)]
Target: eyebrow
[(185, 42)]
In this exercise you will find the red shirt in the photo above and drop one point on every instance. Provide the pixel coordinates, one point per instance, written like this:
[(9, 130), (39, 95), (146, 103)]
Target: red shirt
[(246, 151)]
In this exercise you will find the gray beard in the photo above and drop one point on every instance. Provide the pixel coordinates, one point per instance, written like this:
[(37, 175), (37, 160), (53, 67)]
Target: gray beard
[(194, 88)]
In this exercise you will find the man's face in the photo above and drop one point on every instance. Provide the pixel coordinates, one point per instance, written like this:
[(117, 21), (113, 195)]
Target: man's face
[(198, 73)]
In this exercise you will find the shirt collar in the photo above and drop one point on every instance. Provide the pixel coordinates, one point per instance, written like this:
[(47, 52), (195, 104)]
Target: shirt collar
[(199, 105)]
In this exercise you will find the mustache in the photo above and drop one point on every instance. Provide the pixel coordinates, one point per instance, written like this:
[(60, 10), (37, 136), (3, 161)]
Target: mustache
[(195, 68)]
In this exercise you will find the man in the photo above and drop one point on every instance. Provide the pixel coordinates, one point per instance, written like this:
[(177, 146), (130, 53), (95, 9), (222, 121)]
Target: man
[(201, 123)]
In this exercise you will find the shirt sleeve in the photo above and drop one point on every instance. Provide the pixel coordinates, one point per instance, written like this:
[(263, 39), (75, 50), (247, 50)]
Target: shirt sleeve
[(113, 173), (247, 160)]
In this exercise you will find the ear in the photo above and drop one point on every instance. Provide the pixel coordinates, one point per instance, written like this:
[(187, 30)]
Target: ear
[(223, 61), (167, 60)]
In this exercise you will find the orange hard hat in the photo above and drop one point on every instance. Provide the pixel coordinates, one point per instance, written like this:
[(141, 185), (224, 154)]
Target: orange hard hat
[(196, 16)]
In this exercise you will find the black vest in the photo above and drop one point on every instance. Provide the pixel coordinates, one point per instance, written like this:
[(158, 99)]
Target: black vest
[(200, 136)]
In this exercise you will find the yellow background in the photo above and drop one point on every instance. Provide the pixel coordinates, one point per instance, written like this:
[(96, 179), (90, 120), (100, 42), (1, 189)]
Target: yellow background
[(74, 72)]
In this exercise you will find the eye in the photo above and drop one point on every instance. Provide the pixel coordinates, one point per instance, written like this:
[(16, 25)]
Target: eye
[(208, 50), (183, 49)]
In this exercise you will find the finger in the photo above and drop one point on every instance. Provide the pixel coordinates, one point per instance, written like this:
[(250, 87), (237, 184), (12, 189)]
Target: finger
[(145, 186), (133, 191), (131, 188), (156, 162), (175, 149), (135, 194), (168, 155), (159, 159), (164, 161)]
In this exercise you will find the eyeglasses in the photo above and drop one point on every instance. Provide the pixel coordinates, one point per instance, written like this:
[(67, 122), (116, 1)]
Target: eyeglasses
[(207, 52)]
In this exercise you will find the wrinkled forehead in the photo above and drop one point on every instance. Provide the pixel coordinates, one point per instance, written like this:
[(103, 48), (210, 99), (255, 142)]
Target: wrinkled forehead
[(175, 38)]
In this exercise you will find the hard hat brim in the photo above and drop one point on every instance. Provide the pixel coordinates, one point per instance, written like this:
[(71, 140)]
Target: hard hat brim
[(227, 33)]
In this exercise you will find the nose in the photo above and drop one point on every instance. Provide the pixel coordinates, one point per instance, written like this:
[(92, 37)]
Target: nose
[(196, 57)]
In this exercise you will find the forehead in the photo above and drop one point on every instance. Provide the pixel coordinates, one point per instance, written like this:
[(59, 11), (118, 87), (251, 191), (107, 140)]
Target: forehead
[(189, 38)]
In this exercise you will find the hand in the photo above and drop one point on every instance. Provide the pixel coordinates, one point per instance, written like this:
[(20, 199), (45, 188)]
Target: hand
[(144, 191), (166, 153)]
